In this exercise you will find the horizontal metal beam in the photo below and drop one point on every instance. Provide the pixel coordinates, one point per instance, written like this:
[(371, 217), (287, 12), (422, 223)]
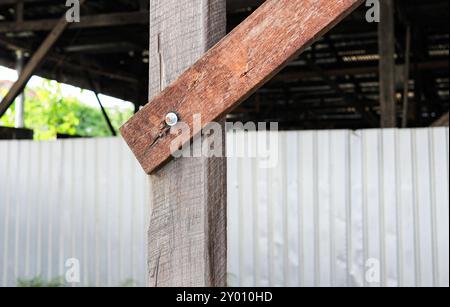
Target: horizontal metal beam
[(109, 47), (353, 99), (35, 61), (362, 70), (89, 21), (13, 2), (232, 5), (63, 61)]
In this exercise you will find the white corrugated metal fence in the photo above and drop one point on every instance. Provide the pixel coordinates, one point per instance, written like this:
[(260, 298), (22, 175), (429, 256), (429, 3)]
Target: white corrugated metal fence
[(341, 208), (83, 199)]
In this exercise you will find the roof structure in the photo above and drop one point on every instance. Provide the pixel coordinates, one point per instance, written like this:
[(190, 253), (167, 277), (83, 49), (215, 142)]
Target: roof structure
[(329, 86)]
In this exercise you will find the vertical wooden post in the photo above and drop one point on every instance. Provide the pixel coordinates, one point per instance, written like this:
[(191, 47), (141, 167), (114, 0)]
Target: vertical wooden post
[(187, 234), (386, 44)]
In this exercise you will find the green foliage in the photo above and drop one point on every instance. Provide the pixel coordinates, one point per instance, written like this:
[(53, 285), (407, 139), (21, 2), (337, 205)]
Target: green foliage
[(48, 113), (58, 282), (129, 283), (38, 282)]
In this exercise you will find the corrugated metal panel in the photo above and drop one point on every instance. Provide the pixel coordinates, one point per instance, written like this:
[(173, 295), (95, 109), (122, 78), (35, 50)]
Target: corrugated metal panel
[(341, 207), (335, 200), (84, 199)]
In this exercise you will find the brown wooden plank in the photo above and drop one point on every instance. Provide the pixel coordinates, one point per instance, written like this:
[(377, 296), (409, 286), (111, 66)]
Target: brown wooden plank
[(241, 63), (187, 236), (34, 63)]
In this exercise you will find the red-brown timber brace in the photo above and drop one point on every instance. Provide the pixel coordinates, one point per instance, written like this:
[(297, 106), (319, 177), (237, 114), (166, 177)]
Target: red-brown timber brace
[(231, 71)]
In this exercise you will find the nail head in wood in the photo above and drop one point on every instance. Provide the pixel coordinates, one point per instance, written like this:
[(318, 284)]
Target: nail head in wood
[(171, 119)]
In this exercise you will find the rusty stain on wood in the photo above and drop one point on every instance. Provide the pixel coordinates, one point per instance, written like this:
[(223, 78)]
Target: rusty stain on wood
[(231, 71)]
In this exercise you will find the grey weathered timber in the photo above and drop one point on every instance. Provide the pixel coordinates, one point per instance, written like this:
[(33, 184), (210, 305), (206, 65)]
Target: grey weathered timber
[(34, 63), (386, 43), (187, 234)]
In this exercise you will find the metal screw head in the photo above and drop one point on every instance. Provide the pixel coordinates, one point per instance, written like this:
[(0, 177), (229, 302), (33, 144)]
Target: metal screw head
[(171, 119)]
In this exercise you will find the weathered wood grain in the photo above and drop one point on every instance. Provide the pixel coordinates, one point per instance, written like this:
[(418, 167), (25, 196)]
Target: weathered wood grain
[(187, 234), (242, 62)]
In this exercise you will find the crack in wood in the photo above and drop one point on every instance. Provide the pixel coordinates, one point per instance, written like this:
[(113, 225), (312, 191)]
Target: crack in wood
[(245, 73), (161, 63), (161, 135), (156, 271)]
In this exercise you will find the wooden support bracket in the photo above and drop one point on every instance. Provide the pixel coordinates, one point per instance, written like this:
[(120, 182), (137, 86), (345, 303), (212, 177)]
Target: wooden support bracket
[(231, 71)]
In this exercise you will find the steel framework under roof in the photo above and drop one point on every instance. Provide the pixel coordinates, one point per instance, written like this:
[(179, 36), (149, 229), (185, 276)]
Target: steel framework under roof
[(327, 87)]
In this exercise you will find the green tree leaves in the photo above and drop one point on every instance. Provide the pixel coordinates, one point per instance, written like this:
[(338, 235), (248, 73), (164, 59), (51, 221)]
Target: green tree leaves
[(48, 113)]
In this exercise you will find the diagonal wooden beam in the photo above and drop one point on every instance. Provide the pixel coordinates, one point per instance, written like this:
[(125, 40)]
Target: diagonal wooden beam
[(230, 72), (34, 63), (442, 121)]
